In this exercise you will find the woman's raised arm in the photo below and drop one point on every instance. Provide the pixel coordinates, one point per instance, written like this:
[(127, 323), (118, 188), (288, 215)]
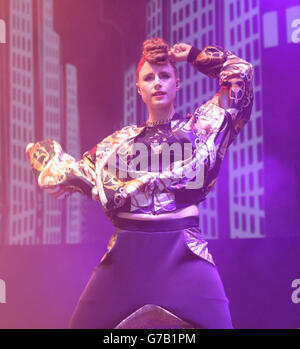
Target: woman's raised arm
[(232, 104), (58, 173)]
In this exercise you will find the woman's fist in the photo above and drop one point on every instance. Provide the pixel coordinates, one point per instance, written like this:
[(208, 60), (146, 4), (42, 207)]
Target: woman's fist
[(40, 153), (179, 52)]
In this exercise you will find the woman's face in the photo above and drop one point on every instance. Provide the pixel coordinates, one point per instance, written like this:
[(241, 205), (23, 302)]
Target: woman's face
[(157, 85)]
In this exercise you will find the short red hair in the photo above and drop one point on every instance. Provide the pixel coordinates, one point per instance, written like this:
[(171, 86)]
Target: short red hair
[(155, 51)]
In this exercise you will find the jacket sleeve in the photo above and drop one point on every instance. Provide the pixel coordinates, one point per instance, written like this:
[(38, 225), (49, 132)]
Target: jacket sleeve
[(58, 173), (230, 108)]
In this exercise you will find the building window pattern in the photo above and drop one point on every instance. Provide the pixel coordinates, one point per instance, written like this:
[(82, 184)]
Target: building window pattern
[(73, 203), (51, 80), (193, 22), (154, 19), (246, 166), (130, 96), (21, 224)]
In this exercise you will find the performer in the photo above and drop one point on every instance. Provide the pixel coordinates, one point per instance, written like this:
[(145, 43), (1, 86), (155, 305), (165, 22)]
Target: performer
[(157, 254)]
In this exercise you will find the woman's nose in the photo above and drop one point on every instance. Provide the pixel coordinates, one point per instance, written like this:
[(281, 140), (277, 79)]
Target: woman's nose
[(157, 81)]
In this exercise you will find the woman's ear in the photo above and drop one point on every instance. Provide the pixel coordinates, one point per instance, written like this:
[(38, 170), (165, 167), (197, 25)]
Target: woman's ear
[(138, 88), (177, 84)]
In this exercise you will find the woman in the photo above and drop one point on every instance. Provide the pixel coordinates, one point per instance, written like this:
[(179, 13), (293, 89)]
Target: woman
[(149, 180)]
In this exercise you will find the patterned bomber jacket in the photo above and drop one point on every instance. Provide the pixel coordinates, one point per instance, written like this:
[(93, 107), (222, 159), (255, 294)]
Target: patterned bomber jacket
[(210, 130)]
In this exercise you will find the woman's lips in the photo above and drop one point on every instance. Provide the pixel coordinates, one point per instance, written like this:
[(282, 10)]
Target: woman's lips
[(159, 94)]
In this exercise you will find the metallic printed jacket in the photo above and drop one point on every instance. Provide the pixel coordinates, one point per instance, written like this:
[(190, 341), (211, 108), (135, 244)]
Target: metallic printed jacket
[(210, 130)]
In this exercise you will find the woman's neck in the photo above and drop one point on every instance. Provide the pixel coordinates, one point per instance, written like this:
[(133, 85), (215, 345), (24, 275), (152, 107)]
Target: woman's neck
[(161, 113)]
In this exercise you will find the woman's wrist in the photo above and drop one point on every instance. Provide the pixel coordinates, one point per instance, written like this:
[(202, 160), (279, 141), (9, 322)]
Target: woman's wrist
[(194, 51)]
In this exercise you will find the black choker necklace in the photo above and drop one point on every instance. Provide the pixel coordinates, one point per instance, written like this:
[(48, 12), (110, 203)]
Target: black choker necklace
[(159, 122)]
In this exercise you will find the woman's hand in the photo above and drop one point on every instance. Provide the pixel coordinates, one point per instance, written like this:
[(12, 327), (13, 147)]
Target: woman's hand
[(179, 52), (39, 154)]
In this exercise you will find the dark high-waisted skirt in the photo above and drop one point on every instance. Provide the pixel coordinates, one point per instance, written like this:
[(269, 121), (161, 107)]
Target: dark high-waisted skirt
[(152, 268)]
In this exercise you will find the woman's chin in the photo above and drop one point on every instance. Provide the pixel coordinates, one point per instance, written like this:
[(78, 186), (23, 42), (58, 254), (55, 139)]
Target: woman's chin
[(160, 104)]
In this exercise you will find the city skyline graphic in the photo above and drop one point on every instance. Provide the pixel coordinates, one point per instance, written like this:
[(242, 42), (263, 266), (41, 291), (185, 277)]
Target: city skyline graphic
[(42, 104)]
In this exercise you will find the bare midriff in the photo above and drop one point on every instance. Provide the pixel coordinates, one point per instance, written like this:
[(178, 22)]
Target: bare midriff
[(189, 211)]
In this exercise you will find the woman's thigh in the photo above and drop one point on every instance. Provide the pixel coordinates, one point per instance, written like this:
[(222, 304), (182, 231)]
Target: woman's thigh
[(192, 289), (188, 297), (105, 301)]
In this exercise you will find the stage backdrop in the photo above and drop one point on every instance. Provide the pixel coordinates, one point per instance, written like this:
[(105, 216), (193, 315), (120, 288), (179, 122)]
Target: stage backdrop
[(68, 73)]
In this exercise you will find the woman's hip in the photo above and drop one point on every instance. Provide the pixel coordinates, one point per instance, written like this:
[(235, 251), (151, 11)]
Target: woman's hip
[(161, 260)]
